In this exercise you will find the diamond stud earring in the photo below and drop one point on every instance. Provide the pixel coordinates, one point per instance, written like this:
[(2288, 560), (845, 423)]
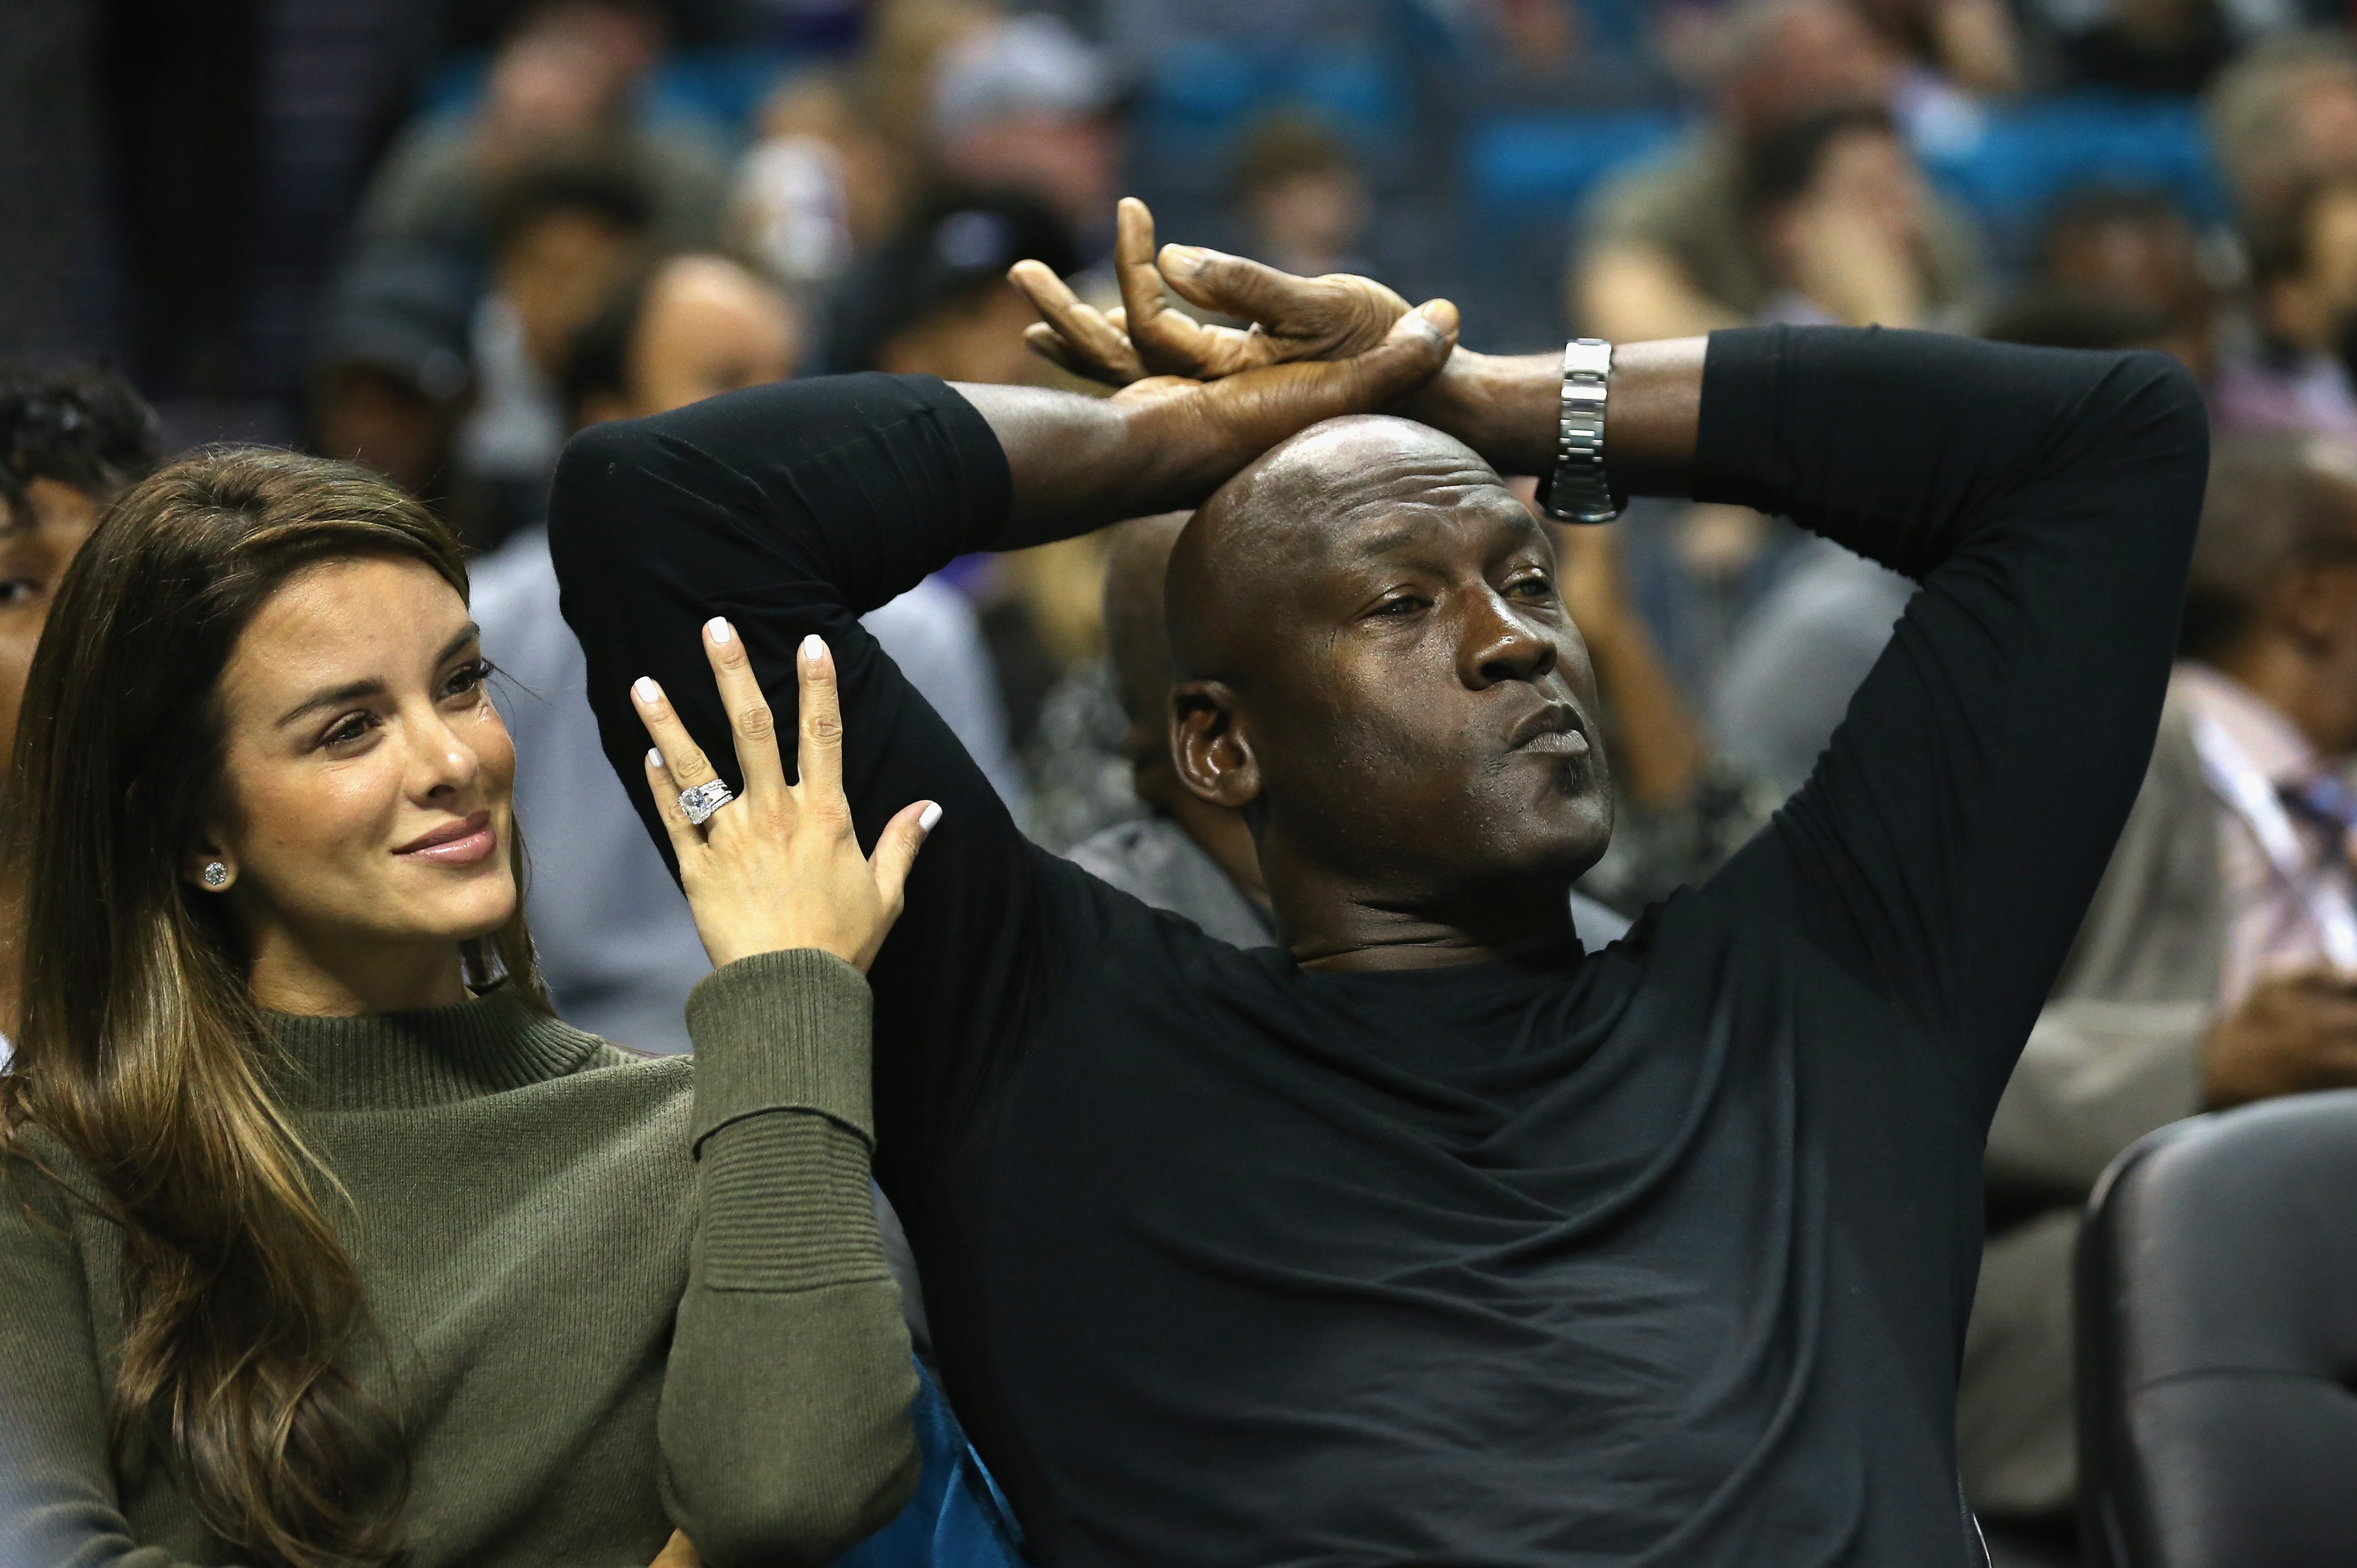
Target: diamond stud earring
[(216, 874)]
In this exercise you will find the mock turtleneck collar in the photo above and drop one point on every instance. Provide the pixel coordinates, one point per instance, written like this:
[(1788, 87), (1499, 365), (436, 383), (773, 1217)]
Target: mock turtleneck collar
[(435, 1056)]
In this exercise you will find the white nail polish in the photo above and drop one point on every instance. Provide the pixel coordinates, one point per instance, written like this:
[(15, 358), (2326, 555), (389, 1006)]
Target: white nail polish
[(814, 647), (717, 630), (654, 757), (929, 816), (645, 689)]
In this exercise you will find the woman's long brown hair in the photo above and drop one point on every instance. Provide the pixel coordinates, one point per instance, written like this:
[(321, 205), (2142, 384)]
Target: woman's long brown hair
[(140, 1046)]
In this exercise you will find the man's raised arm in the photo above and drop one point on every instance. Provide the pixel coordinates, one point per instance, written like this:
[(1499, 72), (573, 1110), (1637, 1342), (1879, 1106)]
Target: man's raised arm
[(793, 509)]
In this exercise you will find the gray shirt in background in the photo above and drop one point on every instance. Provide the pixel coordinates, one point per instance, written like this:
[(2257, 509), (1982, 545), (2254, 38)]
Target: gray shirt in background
[(618, 947)]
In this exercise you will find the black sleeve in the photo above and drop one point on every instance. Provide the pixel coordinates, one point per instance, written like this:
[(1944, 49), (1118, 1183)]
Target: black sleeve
[(793, 508), (1947, 844)]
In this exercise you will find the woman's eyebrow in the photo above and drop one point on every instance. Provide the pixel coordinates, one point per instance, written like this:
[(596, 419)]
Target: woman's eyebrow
[(346, 692), (352, 690)]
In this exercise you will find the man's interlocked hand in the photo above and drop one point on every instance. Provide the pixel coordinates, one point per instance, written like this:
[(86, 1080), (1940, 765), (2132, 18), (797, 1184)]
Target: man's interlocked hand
[(1145, 338)]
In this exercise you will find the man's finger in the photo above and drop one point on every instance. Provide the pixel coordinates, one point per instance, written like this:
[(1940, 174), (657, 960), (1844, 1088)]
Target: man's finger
[(1093, 345), (820, 758), (751, 720), (896, 847), (1418, 344), (1238, 286), (1169, 342)]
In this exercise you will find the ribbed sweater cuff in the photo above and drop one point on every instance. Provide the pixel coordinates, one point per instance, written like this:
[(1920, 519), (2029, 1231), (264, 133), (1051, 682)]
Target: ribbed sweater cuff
[(781, 1031)]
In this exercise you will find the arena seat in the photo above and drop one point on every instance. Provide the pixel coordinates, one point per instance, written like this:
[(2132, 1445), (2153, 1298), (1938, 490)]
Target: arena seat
[(2217, 1320)]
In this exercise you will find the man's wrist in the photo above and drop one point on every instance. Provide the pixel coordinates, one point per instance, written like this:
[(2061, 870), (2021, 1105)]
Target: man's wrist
[(1506, 407)]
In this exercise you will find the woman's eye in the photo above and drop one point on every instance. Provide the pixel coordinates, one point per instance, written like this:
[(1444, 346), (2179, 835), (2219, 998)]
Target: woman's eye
[(17, 591), (350, 729), (467, 678)]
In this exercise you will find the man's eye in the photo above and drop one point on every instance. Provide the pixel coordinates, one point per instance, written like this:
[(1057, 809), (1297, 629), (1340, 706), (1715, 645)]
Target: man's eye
[(1403, 606), (15, 591), (1532, 588)]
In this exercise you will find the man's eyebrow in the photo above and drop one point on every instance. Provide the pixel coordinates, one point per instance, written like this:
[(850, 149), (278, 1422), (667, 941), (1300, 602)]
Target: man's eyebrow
[(1383, 543), (353, 690)]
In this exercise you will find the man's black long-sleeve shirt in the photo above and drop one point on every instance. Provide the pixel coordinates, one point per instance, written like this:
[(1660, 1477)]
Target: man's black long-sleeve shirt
[(1660, 1255)]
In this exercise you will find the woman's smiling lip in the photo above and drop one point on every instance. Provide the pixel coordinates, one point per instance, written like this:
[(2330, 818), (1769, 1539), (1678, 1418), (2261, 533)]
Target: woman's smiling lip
[(461, 842)]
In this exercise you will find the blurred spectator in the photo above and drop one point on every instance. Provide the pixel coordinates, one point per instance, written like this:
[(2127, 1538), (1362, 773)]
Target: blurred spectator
[(1966, 45), (1190, 856), (616, 946), (1679, 809), (2303, 305), (1838, 211), (2137, 250), (679, 331), (69, 441), (563, 234), (1302, 197), (392, 378), (2282, 116), (565, 85), (2151, 46), (2218, 964), (822, 184), (1670, 249), (1798, 657), (935, 300), (1023, 104), (1799, 654)]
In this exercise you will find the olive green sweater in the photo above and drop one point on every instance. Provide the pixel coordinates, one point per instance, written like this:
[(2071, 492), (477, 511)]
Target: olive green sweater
[(609, 1294)]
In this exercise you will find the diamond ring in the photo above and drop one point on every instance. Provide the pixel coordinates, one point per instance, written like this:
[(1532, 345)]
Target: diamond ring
[(700, 802)]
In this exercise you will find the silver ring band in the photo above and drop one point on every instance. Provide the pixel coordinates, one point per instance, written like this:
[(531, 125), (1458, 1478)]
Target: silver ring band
[(700, 802)]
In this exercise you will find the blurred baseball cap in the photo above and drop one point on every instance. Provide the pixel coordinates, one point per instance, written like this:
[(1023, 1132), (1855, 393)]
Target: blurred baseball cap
[(405, 312), (1025, 64), (955, 245)]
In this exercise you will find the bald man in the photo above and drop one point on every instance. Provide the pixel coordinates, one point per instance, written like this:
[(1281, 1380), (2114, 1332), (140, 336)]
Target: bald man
[(1424, 1237), (1190, 856)]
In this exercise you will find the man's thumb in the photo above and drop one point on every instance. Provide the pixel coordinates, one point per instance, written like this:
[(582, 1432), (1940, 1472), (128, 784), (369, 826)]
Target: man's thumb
[(1418, 344)]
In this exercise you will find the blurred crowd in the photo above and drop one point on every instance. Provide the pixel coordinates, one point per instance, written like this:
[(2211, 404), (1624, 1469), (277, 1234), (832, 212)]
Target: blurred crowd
[(439, 236)]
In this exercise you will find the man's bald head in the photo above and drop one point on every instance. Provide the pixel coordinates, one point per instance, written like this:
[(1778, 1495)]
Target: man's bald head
[(1374, 667), (1254, 544)]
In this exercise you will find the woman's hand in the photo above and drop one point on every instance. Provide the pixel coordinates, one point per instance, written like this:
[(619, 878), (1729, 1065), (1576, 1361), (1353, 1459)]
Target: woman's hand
[(677, 1552), (780, 866)]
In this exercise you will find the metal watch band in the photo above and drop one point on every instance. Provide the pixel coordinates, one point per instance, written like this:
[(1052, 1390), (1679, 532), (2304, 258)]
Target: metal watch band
[(1578, 490)]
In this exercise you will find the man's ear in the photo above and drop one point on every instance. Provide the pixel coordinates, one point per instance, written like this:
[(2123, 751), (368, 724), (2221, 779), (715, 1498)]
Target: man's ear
[(1209, 747)]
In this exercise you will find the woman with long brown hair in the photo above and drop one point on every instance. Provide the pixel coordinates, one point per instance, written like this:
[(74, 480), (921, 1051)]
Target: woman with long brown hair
[(322, 1243)]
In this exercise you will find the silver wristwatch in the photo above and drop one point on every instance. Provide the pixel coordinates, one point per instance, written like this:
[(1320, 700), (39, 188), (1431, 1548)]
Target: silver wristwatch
[(1578, 490)]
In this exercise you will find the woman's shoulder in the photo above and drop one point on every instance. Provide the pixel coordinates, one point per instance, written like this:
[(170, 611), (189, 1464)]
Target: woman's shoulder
[(42, 1181)]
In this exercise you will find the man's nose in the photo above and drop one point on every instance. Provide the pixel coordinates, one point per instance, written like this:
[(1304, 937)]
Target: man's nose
[(1499, 645)]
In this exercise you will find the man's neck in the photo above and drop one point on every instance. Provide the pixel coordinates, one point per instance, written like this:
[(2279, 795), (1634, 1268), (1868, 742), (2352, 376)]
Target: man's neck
[(1329, 923)]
